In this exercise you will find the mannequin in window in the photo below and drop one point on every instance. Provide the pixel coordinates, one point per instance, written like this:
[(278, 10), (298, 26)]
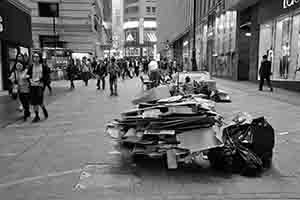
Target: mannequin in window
[(297, 66), (284, 63)]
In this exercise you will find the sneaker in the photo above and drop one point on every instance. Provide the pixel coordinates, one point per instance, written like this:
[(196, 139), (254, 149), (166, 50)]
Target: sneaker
[(36, 119)]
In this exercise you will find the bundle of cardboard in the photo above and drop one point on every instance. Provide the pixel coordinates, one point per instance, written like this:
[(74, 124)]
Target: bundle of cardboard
[(173, 127)]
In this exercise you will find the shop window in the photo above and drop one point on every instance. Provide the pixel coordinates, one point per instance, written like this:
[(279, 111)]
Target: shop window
[(266, 42), (148, 10), (48, 9), (283, 49), (153, 10), (133, 9), (295, 49)]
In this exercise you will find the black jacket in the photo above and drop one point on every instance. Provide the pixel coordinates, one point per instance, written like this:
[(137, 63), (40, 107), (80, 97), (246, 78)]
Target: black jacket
[(265, 69), (46, 73), (101, 69)]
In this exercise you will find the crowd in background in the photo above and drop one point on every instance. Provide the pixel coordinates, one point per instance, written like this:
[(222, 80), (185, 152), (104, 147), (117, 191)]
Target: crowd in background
[(30, 76)]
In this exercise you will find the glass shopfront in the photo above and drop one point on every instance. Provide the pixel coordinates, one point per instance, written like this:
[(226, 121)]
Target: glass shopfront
[(280, 40), (224, 42)]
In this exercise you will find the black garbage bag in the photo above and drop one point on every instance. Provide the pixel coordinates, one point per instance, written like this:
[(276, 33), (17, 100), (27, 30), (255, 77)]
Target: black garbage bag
[(263, 140), (248, 148), (252, 164)]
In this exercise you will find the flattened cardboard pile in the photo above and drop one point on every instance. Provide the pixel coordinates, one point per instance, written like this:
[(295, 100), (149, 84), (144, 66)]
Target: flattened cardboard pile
[(174, 127)]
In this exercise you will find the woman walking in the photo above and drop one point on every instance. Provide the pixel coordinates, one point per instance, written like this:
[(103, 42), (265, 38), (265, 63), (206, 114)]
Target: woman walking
[(37, 74), (20, 78)]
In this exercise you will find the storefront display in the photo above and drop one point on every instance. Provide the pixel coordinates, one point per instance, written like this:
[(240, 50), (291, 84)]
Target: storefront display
[(280, 41)]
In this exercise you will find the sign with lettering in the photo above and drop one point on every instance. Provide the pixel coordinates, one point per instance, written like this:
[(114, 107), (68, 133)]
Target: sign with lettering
[(289, 3), (1, 24)]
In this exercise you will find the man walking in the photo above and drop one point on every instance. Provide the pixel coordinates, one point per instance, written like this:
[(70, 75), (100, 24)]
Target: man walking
[(101, 73), (265, 73), (113, 71)]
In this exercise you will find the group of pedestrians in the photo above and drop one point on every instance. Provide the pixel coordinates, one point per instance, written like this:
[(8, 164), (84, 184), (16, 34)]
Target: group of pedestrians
[(29, 80), (101, 69)]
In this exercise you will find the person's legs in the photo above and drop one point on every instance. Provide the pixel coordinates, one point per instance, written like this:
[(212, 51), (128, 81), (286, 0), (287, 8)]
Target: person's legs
[(48, 85), (24, 98), (111, 82), (72, 84), (45, 111), (98, 83), (103, 83), (116, 86), (269, 83), (261, 83), (36, 111)]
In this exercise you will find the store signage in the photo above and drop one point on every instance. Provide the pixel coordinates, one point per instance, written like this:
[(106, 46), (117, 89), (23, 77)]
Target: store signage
[(1, 24), (290, 3)]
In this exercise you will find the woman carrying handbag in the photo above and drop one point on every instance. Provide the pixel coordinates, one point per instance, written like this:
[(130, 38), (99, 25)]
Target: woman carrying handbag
[(38, 74), (21, 87)]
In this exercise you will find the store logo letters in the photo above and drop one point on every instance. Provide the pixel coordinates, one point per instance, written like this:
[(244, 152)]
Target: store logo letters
[(1, 25), (289, 3)]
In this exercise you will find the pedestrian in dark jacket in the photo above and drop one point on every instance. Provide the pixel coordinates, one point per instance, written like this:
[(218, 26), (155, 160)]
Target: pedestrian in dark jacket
[(265, 73), (47, 78), (101, 73), (37, 73), (113, 71), (71, 71)]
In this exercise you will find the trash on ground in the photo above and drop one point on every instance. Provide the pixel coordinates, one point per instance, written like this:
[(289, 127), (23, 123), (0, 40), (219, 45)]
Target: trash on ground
[(181, 128)]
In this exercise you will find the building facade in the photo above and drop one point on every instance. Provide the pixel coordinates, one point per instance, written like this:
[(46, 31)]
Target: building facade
[(215, 34), (14, 19), (117, 29), (140, 28), (273, 29), (102, 21), (233, 35), (67, 26)]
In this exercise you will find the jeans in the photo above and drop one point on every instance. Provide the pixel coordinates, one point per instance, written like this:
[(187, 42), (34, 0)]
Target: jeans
[(102, 79), (72, 84), (262, 81), (113, 82)]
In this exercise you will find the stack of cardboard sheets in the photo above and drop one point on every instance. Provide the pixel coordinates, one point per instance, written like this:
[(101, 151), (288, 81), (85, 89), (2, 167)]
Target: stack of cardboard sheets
[(174, 127)]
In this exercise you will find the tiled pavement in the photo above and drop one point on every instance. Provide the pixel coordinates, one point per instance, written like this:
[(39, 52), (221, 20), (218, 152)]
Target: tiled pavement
[(45, 161)]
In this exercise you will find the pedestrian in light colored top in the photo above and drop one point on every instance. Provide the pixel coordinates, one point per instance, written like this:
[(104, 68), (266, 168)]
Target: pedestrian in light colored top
[(37, 73), (20, 77)]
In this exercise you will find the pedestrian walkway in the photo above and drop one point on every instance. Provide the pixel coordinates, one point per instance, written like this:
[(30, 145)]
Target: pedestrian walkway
[(47, 160), (9, 108)]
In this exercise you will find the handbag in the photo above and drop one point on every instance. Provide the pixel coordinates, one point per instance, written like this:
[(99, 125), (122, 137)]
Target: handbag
[(15, 88)]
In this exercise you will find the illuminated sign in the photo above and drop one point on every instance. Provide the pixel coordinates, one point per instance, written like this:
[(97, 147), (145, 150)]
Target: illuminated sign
[(289, 3), (1, 24)]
